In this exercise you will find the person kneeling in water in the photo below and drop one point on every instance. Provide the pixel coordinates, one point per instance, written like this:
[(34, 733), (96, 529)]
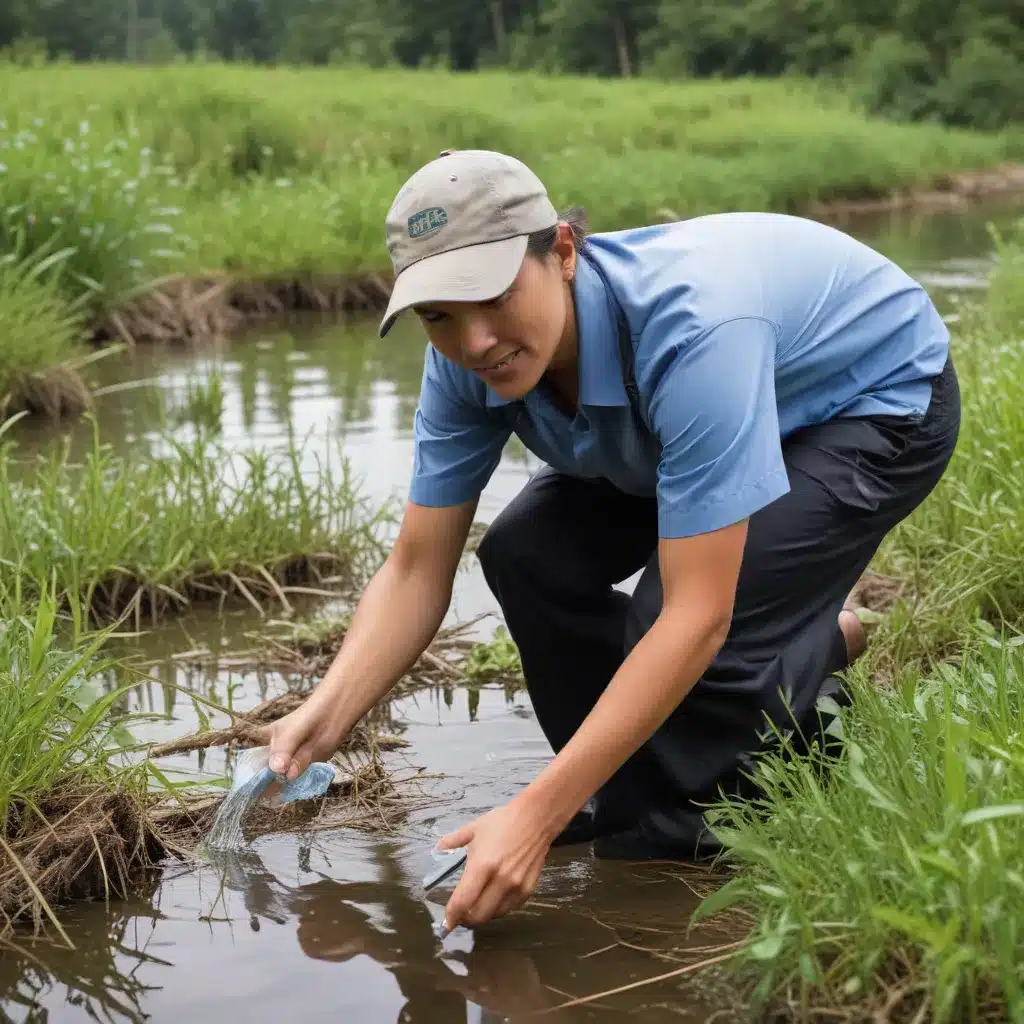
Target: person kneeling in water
[(739, 407)]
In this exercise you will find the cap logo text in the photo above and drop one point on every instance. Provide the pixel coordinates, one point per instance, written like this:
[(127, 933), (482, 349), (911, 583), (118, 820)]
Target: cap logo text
[(427, 222)]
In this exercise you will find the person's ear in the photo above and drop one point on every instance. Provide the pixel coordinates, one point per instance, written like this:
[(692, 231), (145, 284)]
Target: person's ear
[(565, 249)]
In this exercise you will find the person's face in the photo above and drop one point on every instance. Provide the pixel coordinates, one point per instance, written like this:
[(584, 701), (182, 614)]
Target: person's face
[(510, 341)]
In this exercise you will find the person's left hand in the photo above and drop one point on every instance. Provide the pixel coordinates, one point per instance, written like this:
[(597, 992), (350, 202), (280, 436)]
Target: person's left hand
[(506, 850)]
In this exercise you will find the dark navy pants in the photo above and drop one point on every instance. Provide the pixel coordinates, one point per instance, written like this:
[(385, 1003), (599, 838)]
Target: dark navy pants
[(554, 554)]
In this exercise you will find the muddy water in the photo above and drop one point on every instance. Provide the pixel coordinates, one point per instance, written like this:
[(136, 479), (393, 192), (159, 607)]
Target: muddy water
[(335, 927)]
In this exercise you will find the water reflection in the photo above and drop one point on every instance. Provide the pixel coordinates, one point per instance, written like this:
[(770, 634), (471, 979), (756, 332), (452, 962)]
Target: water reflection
[(373, 931)]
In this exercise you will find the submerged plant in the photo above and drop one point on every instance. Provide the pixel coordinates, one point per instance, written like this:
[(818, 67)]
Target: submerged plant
[(494, 660)]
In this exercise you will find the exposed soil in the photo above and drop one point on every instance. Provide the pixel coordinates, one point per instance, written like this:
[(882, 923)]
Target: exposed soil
[(77, 842), (58, 392), (955, 191), (123, 595), (877, 593), (186, 309)]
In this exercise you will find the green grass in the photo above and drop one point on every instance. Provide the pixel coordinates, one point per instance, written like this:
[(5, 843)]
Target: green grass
[(95, 194), (270, 171), (1006, 302), (960, 552), (71, 805), (902, 874), (151, 534), (39, 332)]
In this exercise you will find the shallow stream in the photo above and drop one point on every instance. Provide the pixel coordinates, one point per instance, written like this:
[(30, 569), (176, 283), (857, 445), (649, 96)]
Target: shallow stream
[(334, 928)]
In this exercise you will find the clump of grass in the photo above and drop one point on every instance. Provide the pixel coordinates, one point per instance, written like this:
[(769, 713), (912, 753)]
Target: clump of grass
[(40, 335), (494, 660), (202, 404), (895, 886), (154, 533), (72, 810)]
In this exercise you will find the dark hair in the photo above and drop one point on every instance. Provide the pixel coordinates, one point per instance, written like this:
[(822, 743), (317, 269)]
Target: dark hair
[(541, 243)]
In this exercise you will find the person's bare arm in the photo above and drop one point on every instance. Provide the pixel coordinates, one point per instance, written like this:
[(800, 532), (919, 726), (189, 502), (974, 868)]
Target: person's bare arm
[(396, 619)]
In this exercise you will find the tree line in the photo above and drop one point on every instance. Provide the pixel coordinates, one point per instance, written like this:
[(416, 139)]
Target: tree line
[(951, 61)]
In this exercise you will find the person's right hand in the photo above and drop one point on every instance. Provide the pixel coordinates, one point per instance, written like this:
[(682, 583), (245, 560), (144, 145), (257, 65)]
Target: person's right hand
[(299, 739)]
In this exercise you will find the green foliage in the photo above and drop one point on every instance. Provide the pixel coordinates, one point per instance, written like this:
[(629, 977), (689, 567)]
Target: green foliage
[(496, 660), (960, 551), (100, 197), (38, 329), (56, 707), (900, 872), (960, 63), (1006, 285), (266, 172)]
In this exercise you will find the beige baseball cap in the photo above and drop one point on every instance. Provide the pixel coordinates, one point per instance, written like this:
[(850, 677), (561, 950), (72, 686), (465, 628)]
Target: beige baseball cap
[(457, 230)]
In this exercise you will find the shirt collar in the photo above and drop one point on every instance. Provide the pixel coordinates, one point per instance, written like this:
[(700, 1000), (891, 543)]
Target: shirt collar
[(597, 342)]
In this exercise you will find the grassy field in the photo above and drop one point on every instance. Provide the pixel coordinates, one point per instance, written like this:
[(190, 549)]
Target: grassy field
[(264, 172), (114, 178), (896, 887)]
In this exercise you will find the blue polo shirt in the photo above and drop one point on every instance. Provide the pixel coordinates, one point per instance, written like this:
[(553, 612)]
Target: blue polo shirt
[(745, 327)]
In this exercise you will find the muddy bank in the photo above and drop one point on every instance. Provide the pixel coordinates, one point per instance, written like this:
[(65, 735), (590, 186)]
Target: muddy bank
[(199, 309), (955, 191)]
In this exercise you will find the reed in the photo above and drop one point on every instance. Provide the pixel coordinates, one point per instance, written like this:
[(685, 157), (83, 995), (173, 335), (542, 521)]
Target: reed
[(40, 336)]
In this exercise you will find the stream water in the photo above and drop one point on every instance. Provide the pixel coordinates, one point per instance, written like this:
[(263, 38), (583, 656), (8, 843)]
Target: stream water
[(335, 927)]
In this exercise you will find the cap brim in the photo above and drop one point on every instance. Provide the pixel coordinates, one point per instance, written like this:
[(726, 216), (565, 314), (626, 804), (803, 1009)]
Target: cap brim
[(475, 273)]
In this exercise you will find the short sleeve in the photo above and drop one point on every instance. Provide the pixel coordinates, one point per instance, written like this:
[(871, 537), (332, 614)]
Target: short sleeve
[(457, 441), (712, 405)]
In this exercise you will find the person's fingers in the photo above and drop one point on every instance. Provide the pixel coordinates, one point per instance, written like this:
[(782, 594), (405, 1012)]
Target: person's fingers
[(459, 838), (488, 904), (290, 754), (512, 900), (474, 880)]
